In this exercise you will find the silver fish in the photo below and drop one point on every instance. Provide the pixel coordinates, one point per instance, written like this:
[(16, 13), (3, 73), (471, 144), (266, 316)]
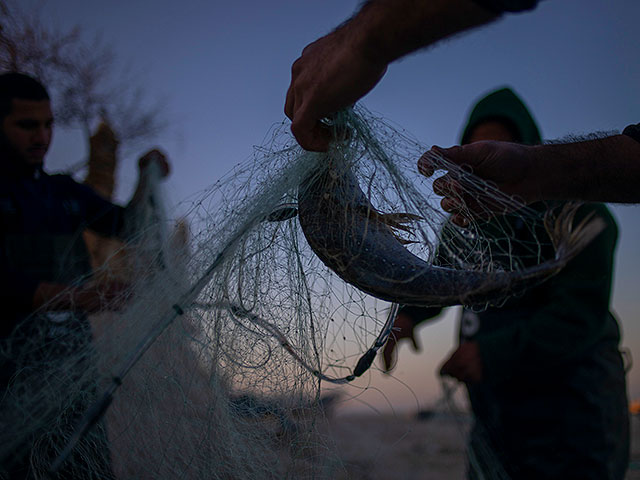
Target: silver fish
[(358, 243)]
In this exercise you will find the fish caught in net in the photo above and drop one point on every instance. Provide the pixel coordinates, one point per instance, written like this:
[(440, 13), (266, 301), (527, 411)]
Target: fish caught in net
[(288, 277)]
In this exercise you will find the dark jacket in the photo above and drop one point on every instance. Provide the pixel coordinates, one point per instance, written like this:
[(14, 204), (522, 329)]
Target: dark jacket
[(42, 219)]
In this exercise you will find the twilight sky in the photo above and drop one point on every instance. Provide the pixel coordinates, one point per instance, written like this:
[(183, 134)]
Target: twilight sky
[(224, 68)]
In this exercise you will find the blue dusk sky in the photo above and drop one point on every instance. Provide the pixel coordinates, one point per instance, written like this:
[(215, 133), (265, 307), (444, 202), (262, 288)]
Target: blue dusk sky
[(224, 68)]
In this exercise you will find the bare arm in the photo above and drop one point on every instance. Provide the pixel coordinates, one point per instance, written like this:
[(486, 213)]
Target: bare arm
[(605, 170), (338, 69)]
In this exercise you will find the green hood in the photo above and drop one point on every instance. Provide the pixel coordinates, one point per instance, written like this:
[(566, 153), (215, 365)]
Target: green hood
[(503, 104)]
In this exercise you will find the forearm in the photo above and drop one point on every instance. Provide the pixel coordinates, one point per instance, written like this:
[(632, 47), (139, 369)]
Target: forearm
[(52, 297), (390, 29), (91, 297), (606, 170)]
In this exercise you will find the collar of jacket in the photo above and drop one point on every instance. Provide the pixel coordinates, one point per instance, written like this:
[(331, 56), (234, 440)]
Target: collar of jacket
[(12, 169)]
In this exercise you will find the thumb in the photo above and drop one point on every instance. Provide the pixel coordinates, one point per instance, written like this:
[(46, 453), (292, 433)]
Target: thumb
[(455, 154), (310, 134), (388, 354), (438, 158)]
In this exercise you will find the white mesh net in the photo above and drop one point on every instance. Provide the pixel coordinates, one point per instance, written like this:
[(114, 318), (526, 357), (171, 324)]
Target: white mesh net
[(212, 365)]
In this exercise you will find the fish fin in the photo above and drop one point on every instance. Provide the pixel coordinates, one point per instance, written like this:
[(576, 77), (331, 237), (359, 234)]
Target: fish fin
[(399, 221), (396, 221), (569, 239), (405, 241)]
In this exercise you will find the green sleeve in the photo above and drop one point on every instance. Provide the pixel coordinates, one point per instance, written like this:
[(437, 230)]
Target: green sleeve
[(569, 313)]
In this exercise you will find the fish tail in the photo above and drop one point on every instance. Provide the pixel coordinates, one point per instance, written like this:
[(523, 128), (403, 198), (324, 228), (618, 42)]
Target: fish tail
[(569, 239)]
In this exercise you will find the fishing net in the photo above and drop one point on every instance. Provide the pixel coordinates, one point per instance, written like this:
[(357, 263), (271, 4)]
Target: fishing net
[(282, 277)]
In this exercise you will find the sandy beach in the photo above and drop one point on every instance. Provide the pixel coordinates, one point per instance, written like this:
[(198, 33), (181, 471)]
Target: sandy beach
[(381, 447)]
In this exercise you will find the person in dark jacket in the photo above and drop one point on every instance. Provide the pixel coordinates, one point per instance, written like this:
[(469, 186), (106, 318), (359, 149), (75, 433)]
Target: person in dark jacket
[(544, 374), (46, 292)]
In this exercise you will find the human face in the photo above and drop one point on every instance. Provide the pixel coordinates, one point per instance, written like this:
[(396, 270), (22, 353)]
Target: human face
[(28, 130), (491, 130)]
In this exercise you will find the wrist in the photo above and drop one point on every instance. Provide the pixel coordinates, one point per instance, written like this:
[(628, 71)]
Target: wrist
[(363, 32), (604, 169), (541, 187), (559, 172)]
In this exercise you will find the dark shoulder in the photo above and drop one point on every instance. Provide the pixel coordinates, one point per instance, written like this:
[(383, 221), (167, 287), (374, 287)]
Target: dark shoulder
[(68, 184)]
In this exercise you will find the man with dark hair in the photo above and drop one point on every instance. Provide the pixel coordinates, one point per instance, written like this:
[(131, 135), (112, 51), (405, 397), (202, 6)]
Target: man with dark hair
[(544, 375), (46, 292), (338, 69), (17, 85)]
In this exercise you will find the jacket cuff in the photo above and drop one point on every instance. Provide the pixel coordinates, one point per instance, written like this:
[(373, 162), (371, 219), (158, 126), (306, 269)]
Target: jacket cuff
[(633, 131)]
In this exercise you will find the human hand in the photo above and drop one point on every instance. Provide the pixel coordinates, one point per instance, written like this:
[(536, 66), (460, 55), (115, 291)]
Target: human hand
[(104, 140), (332, 73), (90, 298), (95, 297), (403, 327), (465, 364), (507, 167), (157, 156)]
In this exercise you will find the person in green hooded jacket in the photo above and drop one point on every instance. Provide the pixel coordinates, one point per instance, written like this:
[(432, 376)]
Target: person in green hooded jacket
[(544, 374)]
